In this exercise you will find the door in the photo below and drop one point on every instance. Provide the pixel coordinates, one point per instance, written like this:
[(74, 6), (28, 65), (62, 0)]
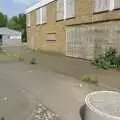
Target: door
[(1, 41), (80, 43)]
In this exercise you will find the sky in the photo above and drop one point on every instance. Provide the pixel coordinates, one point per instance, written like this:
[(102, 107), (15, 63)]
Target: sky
[(14, 7)]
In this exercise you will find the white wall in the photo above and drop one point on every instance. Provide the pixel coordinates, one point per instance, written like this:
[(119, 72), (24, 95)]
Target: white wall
[(12, 40)]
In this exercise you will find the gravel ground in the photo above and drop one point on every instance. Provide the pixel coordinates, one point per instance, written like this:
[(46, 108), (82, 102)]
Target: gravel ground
[(43, 113)]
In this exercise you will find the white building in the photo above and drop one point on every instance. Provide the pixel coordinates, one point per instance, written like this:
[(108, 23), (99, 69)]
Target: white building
[(9, 37)]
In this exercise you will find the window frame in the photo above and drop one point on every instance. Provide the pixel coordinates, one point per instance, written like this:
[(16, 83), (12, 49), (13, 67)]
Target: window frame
[(40, 15), (47, 35), (28, 20), (64, 17), (100, 9), (111, 7)]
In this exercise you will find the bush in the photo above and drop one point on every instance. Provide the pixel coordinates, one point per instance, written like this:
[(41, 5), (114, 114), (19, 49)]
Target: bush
[(1, 49), (33, 61), (110, 59)]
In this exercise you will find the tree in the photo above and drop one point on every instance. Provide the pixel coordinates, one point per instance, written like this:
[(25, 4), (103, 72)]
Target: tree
[(3, 20), (19, 23)]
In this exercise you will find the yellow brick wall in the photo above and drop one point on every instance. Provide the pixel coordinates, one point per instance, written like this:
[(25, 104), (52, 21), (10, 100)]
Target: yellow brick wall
[(84, 14)]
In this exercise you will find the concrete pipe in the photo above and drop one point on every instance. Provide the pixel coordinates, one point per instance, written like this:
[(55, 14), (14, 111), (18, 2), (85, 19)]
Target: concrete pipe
[(102, 105)]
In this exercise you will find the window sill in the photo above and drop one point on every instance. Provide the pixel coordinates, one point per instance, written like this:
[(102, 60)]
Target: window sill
[(100, 12), (51, 40), (41, 24), (115, 9), (59, 20), (70, 18)]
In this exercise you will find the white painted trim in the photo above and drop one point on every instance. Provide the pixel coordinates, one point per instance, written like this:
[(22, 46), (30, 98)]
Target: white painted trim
[(38, 5), (65, 9), (111, 5), (41, 15)]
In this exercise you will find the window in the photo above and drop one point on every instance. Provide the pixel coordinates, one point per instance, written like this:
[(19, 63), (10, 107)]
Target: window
[(38, 16), (51, 37), (70, 8), (116, 4), (28, 20), (65, 9), (44, 15), (41, 15), (15, 37), (60, 9), (101, 5)]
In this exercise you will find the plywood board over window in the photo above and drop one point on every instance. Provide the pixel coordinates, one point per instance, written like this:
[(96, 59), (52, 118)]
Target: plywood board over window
[(101, 5)]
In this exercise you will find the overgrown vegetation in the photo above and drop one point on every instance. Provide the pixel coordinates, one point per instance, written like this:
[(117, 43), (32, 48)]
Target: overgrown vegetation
[(89, 79), (1, 49), (16, 23), (110, 59), (33, 61), (3, 20)]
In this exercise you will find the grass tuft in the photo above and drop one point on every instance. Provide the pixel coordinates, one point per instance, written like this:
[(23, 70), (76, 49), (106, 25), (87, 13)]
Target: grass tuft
[(89, 79), (33, 61)]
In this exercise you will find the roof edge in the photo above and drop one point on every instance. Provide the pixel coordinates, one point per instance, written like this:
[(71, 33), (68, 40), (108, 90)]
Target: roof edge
[(38, 5)]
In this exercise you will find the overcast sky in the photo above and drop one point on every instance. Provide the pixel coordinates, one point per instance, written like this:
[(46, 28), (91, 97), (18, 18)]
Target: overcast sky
[(14, 7)]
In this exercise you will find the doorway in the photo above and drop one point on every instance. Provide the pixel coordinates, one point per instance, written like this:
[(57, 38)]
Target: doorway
[(1, 41)]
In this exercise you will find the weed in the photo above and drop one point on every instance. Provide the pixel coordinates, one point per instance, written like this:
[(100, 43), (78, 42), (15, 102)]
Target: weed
[(110, 59), (33, 61), (20, 58), (89, 79)]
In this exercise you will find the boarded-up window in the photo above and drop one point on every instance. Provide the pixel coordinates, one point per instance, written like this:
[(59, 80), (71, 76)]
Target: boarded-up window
[(70, 8), (60, 9), (101, 5), (116, 4), (51, 37), (28, 20)]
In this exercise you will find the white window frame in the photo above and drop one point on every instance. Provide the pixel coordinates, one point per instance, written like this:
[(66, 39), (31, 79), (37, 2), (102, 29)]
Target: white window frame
[(99, 6), (118, 4), (41, 17), (60, 11), (66, 16), (28, 20), (110, 8), (64, 11), (38, 16), (44, 15)]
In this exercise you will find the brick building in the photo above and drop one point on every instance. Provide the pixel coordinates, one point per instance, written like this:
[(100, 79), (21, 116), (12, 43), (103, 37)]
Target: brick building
[(76, 28)]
